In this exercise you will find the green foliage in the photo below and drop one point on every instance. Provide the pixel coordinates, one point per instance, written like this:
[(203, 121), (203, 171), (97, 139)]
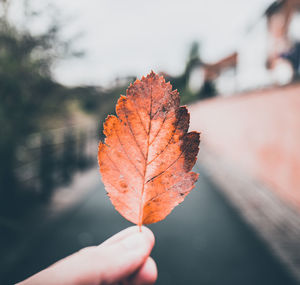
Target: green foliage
[(187, 96), (29, 97), (31, 101), (181, 82)]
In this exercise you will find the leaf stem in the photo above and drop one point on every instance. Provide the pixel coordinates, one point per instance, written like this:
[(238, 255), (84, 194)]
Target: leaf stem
[(140, 222)]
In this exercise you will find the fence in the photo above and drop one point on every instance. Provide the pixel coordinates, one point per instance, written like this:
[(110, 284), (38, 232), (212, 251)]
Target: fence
[(48, 160)]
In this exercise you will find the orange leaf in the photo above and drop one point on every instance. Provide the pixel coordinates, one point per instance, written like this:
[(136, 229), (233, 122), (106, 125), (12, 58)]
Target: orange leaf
[(147, 155)]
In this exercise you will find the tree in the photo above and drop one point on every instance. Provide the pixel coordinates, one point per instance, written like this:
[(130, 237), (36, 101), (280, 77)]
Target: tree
[(28, 93)]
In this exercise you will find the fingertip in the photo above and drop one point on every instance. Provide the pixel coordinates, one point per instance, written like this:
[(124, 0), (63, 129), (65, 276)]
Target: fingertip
[(147, 274), (149, 234), (128, 232), (126, 252)]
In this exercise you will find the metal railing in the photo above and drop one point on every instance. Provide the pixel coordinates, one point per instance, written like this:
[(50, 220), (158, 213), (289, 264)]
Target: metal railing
[(50, 159)]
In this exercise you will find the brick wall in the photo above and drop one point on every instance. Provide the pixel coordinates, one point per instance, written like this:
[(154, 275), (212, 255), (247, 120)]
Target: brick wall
[(260, 133)]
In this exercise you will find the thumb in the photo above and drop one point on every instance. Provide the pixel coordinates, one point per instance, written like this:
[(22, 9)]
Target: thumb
[(114, 260), (124, 256)]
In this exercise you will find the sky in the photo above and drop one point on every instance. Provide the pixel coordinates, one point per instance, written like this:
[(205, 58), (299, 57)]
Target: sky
[(133, 37)]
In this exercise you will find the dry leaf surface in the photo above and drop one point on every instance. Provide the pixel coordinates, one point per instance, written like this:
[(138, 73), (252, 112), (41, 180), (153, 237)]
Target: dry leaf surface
[(147, 155)]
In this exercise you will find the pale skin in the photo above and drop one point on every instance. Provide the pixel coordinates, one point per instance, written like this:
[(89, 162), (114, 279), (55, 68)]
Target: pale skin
[(122, 259)]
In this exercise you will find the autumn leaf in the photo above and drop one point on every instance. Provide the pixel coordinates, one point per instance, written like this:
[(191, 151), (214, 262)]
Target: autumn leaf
[(147, 155)]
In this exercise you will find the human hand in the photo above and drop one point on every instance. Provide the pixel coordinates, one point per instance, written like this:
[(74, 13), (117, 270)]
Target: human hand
[(122, 259)]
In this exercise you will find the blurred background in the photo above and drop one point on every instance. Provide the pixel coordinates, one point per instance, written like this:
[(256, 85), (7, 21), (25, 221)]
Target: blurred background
[(236, 63)]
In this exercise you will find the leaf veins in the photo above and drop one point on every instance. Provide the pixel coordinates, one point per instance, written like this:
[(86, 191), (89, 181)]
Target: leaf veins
[(147, 156)]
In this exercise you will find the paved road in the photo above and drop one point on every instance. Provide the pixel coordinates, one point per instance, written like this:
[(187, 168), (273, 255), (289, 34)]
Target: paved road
[(202, 242)]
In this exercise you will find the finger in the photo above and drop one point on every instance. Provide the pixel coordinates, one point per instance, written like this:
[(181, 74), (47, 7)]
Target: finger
[(147, 274), (100, 264), (125, 257), (125, 233)]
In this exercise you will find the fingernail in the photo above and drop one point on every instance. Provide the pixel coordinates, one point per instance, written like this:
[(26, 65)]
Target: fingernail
[(134, 241)]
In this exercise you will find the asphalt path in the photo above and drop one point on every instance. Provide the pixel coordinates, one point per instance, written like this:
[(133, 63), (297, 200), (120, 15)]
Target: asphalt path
[(203, 241)]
